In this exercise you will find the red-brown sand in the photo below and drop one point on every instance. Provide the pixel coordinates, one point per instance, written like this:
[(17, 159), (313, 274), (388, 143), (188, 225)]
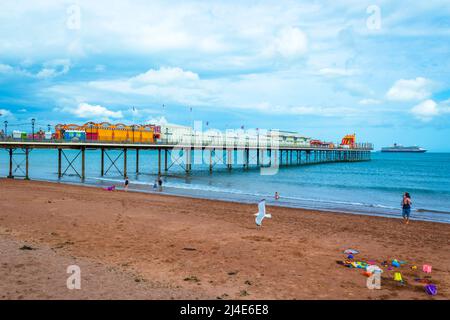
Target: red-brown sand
[(147, 246)]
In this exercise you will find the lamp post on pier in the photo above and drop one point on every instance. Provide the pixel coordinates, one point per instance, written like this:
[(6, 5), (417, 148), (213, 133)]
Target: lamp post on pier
[(6, 128), (32, 127)]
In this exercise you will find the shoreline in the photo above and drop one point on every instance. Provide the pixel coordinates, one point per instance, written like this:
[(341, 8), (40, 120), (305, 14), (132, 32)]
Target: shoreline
[(200, 249), (270, 202)]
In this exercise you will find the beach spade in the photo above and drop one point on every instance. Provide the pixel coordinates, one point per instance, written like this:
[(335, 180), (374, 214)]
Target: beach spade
[(261, 213)]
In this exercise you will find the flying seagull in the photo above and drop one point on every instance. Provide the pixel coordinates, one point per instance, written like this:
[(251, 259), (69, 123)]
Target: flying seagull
[(261, 212)]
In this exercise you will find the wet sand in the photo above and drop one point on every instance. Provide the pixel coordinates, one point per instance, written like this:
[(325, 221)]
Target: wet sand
[(150, 246)]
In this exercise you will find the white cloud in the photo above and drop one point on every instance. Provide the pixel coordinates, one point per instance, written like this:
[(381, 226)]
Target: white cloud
[(410, 90), (54, 68), (158, 120), (290, 42), (306, 110), (429, 109), (164, 76), (88, 111), (369, 101), (4, 68), (337, 72), (5, 113), (49, 69)]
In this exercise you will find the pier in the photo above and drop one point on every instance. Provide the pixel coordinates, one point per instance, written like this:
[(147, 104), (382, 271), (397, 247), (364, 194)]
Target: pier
[(187, 155)]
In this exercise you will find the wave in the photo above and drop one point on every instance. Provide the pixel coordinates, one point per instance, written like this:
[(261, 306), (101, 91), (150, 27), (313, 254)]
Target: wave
[(432, 211), (256, 195)]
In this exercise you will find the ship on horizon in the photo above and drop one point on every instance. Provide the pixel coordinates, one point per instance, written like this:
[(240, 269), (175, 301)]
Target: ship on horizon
[(400, 148)]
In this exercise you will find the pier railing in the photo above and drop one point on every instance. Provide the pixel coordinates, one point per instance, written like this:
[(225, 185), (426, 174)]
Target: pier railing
[(196, 143), (269, 155)]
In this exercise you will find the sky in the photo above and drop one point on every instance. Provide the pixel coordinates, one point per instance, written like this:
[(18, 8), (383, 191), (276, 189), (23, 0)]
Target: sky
[(379, 69)]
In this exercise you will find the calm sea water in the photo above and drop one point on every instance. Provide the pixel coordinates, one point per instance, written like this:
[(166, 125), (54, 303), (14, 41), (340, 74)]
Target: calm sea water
[(373, 187)]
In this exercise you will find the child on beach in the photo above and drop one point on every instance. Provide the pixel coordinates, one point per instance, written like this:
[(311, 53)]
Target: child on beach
[(126, 183), (277, 196), (406, 207), (112, 188)]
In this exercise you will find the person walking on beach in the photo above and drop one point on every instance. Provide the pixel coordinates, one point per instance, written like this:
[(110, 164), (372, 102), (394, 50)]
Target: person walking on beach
[(160, 183), (406, 207), (126, 183)]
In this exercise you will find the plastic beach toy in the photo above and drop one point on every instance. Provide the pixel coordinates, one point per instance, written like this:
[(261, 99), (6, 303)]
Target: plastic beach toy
[(414, 268), (350, 256), (431, 289), (426, 268), (359, 264), (398, 276), (395, 263), (351, 251), (374, 269)]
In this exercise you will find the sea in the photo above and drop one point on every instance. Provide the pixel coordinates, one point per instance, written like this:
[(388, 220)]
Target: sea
[(370, 188)]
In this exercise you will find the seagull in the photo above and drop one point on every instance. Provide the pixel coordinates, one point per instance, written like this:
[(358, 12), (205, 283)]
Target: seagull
[(261, 212)]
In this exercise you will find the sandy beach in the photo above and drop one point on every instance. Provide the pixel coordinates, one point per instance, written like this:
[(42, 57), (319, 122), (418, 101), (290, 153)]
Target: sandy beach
[(150, 246)]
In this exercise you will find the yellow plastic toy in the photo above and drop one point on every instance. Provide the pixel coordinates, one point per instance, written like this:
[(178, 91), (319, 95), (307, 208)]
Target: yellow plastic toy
[(398, 276)]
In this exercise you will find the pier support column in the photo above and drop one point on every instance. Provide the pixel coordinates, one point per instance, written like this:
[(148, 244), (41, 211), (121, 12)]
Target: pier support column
[(159, 161), (10, 176), (83, 163), (137, 160), (165, 159), (59, 162), (246, 157), (188, 159), (210, 160), (125, 162), (229, 159), (257, 156), (102, 164), (27, 151)]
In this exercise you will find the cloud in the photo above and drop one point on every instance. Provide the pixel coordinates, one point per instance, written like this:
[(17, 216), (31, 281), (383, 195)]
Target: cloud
[(88, 111), (54, 68), (410, 90), (5, 113), (164, 76), (290, 42), (337, 72), (50, 69), (335, 111), (429, 109), (4, 68), (369, 101), (157, 120)]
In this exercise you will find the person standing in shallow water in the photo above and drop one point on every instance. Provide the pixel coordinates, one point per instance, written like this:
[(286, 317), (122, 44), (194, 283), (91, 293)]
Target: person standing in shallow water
[(127, 182), (160, 183), (406, 207)]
